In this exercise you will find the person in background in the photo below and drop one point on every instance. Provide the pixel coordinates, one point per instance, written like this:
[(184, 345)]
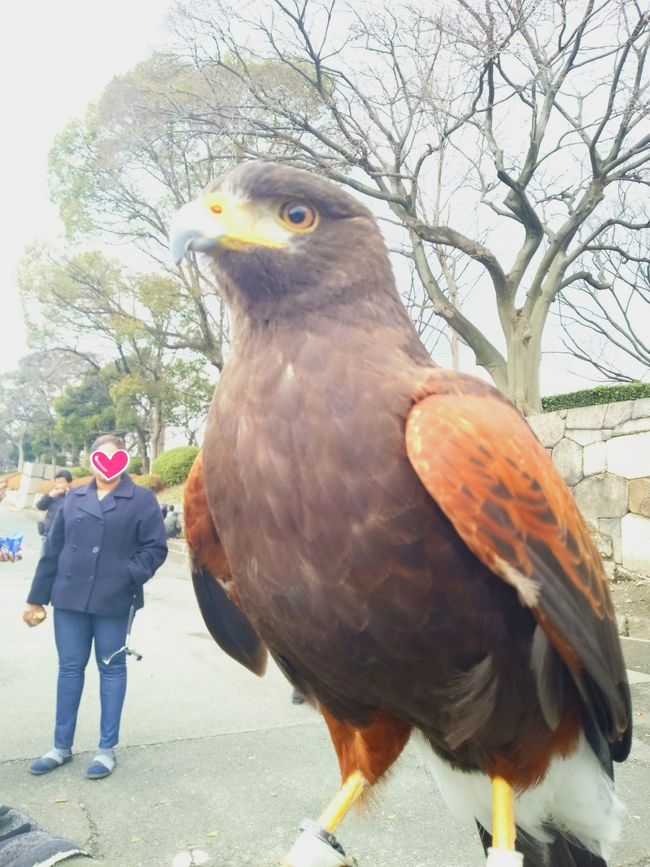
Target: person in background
[(172, 523), (107, 541), (52, 502), (164, 509), (7, 556)]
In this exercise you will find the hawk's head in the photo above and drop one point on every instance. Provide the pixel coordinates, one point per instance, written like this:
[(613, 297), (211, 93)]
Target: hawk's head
[(283, 239)]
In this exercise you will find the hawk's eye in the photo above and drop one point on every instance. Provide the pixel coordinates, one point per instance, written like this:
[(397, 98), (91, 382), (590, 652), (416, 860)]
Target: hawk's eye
[(297, 216)]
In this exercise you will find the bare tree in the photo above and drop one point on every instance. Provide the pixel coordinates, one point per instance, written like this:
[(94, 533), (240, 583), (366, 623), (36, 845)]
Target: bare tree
[(119, 174), (541, 107), (606, 315), (27, 398)]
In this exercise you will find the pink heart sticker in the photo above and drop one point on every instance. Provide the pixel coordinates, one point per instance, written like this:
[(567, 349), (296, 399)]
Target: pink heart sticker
[(110, 466)]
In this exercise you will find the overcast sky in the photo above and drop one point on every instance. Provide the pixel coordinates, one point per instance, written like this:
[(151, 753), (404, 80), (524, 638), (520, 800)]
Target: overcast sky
[(55, 58)]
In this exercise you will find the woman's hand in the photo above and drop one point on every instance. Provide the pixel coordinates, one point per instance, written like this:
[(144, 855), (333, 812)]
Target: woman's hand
[(34, 614)]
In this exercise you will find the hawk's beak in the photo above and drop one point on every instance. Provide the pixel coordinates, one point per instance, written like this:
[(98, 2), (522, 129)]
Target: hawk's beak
[(218, 220), (194, 227)]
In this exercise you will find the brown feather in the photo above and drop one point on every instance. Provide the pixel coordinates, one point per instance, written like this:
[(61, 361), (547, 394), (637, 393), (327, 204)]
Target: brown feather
[(212, 579)]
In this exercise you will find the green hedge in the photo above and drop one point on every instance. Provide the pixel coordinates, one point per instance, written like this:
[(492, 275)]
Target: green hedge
[(135, 464), (598, 394), (149, 480), (174, 466), (79, 472)]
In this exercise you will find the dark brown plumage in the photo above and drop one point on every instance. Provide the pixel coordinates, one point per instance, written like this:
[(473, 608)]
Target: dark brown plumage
[(394, 533)]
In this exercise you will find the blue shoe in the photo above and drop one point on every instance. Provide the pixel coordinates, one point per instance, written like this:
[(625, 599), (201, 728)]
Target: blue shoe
[(49, 762), (102, 765)]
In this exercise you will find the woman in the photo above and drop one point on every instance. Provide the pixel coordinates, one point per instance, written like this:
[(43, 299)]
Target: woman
[(107, 540)]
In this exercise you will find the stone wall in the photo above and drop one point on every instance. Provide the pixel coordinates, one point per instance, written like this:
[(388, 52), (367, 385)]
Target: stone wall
[(603, 453), (34, 474)]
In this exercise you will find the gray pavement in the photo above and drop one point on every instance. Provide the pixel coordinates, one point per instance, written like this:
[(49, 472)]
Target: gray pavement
[(215, 765)]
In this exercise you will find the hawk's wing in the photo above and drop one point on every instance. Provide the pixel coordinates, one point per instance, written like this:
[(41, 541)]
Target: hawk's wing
[(213, 584), (486, 470)]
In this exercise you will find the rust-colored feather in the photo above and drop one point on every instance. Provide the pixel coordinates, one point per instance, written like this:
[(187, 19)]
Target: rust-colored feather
[(203, 542), (371, 749), (484, 467)]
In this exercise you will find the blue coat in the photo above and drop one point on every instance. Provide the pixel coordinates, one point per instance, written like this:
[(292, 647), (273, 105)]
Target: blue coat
[(99, 553)]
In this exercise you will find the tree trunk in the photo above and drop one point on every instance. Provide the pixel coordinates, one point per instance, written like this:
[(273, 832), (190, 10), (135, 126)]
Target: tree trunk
[(157, 430), (160, 445), (524, 356), (143, 450)]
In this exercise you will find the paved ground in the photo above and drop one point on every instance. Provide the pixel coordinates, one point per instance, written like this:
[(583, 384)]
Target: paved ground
[(213, 759)]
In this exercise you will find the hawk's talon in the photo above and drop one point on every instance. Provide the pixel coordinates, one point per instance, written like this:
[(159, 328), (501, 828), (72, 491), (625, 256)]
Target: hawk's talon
[(316, 847), (504, 858)]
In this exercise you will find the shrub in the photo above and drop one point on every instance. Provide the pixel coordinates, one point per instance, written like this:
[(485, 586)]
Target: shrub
[(149, 480), (598, 394), (13, 481), (174, 466), (135, 464), (79, 472)]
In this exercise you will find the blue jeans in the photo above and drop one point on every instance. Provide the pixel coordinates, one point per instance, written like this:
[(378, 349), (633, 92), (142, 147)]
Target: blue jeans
[(74, 632)]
